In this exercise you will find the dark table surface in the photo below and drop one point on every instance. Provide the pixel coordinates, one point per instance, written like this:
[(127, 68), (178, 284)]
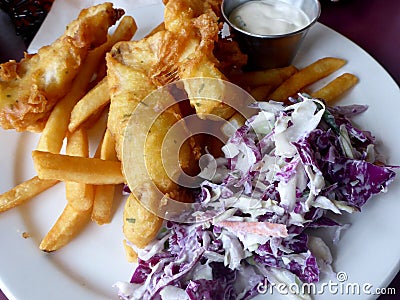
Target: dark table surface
[(372, 24)]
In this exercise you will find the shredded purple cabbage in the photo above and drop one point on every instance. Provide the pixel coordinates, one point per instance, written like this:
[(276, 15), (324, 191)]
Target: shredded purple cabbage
[(288, 166)]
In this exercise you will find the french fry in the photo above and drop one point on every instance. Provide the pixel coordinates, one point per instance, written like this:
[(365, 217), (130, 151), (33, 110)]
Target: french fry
[(97, 154), (273, 77), (75, 165), (125, 30), (103, 201), (234, 122), (68, 225), (24, 191), (78, 169), (104, 194), (336, 87), (98, 119), (98, 96), (260, 93), (159, 27), (53, 134), (89, 104), (306, 76), (78, 194)]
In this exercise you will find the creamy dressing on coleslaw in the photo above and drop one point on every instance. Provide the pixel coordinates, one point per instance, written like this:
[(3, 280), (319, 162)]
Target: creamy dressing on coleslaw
[(268, 17)]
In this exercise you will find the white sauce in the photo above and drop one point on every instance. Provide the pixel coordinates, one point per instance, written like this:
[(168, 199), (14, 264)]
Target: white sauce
[(266, 17)]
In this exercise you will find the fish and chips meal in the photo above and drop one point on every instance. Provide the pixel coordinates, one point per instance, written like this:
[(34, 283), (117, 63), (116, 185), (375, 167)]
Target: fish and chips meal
[(291, 165)]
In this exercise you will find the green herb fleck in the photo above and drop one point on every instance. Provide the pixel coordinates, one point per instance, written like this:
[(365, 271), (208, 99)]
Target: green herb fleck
[(131, 220), (251, 260), (202, 87), (330, 120), (166, 244), (163, 230)]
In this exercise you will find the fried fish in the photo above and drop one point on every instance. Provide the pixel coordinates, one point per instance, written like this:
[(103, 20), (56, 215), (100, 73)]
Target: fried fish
[(181, 48), (29, 89)]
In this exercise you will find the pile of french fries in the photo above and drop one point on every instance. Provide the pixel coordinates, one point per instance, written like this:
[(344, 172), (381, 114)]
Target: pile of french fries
[(281, 83), (90, 181)]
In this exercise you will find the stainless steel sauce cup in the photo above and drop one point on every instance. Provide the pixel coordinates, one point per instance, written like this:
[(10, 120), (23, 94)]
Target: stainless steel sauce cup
[(271, 51)]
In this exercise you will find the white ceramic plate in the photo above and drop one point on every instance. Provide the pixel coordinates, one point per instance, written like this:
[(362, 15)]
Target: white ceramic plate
[(368, 252)]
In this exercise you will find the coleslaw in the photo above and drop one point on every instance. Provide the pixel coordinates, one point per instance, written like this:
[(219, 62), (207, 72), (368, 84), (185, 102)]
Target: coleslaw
[(287, 170)]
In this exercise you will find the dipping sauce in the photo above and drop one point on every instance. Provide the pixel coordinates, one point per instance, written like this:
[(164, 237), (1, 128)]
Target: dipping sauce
[(268, 17)]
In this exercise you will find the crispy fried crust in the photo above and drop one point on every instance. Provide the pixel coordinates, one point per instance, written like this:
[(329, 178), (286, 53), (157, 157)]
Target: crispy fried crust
[(198, 23), (29, 89), (128, 65), (182, 48)]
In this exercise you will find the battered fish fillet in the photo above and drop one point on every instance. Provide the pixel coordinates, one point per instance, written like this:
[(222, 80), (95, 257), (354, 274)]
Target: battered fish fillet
[(129, 66), (29, 89), (130, 79), (184, 49), (199, 23)]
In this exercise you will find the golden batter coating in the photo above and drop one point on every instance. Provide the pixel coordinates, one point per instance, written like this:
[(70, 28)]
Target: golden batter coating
[(29, 89)]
